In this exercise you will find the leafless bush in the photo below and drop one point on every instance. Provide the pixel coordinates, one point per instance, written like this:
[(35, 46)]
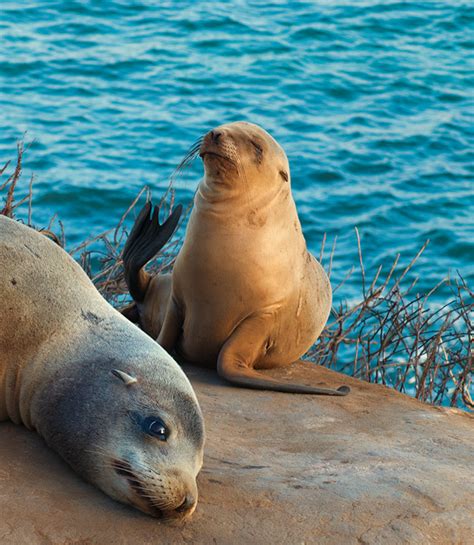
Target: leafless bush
[(393, 335), (9, 186), (399, 337)]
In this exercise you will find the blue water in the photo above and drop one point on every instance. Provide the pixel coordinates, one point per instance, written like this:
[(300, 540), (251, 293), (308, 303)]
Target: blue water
[(372, 101)]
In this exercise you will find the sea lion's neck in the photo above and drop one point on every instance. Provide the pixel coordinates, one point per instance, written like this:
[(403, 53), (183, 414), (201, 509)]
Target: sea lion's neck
[(220, 198), (21, 383), (46, 368)]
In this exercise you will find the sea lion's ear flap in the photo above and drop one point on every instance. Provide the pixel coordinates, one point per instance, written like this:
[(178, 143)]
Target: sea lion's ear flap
[(127, 379), (284, 175)]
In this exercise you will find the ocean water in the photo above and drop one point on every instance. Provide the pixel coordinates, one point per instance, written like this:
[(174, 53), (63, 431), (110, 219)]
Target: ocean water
[(372, 101)]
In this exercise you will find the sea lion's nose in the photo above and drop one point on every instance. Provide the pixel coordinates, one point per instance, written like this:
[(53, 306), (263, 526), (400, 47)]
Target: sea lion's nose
[(188, 503), (215, 135)]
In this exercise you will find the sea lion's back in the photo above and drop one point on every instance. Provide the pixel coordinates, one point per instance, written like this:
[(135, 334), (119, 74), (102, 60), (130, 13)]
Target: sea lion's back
[(42, 266), (38, 283)]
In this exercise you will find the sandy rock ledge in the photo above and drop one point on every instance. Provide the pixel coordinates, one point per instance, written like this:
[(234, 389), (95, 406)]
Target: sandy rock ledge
[(376, 467)]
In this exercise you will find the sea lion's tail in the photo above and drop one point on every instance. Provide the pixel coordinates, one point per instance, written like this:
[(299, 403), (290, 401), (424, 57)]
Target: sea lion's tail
[(146, 239)]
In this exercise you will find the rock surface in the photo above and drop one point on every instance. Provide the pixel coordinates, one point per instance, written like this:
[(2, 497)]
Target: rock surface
[(375, 467)]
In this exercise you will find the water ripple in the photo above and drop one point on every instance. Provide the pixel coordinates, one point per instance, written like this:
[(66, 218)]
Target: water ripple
[(371, 100)]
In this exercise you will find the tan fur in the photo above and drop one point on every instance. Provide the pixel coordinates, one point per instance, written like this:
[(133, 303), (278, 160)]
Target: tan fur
[(246, 294), (59, 341)]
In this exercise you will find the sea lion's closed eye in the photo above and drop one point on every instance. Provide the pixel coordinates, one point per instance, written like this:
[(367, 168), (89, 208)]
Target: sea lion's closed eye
[(258, 150)]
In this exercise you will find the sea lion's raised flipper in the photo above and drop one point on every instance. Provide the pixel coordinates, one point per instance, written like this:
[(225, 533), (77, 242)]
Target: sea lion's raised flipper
[(145, 240), (243, 348)]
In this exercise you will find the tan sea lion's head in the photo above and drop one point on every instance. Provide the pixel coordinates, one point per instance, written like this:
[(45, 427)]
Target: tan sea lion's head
[(242, 156)]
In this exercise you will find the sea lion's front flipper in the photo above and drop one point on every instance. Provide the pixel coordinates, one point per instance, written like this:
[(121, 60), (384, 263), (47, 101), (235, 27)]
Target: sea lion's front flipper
[(243, 348), (145, 240)]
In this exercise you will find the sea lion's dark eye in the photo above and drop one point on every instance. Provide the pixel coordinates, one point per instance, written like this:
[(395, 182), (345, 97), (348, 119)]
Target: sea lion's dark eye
[(154, 426), (284, 175)]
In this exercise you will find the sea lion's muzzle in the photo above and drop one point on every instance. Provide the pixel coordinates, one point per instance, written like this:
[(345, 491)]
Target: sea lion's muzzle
[(218, 145), (148, 501)]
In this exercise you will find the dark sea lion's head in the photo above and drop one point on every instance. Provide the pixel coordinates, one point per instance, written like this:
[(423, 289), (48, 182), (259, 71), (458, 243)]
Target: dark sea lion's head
[(243, 157), (132, 428)]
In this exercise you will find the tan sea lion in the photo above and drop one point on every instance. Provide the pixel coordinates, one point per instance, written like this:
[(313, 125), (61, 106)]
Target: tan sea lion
[(100, 392), (245, 294)]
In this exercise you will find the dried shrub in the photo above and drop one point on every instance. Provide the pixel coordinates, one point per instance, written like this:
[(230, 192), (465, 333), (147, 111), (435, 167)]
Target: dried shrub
[(401, 338), (9, 186), (393, 335)]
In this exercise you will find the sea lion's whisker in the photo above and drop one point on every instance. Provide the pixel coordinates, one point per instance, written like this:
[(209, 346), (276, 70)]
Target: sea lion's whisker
[(107, 461), (191, 151), (183, 164), (130, 468), (104, 454), (138, 485), (191, 154), (161, 506)]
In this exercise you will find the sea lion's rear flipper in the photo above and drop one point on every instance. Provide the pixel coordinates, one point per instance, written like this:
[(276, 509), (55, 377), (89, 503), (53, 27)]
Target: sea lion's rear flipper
[(172, 326), (145, 240), (131, 313), (243, 348)]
